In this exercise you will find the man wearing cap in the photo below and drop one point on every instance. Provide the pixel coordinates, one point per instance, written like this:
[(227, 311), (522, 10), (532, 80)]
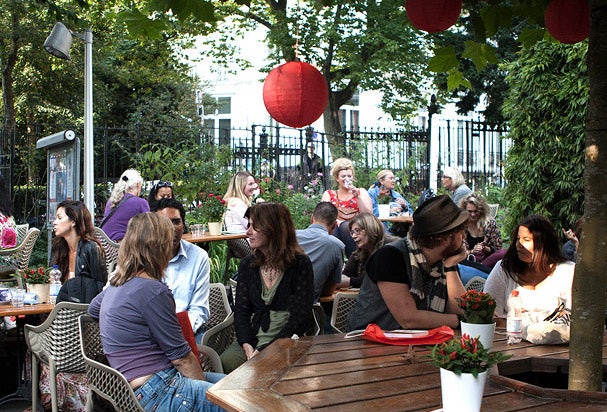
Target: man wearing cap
[(413, 283), (311, 165)]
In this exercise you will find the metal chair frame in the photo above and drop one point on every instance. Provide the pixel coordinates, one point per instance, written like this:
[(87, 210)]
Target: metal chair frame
[(342, 305), (475, 283), (110, 248), (55, 343), (20, 255)]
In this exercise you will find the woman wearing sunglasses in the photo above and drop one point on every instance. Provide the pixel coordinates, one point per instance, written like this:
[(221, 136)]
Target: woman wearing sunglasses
[(161, 190)]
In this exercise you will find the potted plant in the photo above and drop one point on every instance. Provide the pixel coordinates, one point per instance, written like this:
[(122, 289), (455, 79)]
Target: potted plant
[(463, 364), (37, 280), (209, 209), (478, 320)]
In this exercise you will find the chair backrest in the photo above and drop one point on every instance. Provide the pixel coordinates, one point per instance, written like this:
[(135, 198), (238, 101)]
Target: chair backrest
[(342, 305), (475, 283), (209, 359), (110, 247), (19, 256), (237, 248), (493, 207), (56, 340), (219, 306), (104, 380), (220, 336), (22, 232)]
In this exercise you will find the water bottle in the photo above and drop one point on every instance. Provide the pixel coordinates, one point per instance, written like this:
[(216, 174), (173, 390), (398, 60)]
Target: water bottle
[(514, 322), (55, 275)]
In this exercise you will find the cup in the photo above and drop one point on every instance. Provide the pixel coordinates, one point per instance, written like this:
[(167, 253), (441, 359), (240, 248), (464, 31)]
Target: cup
[(17, 297), (197, 230)]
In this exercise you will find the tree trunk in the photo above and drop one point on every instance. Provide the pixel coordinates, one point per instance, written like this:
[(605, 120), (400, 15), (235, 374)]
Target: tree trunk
[(337, 141), (590, 282), (8, 66)]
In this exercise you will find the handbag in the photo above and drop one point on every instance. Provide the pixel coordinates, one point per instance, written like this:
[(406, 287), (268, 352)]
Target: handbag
[(553, 330), (374, 333)]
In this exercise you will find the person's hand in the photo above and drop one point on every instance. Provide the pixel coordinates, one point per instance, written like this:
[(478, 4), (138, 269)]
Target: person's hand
[(570, 235), (249, 351), (460, 255), (478, 248)]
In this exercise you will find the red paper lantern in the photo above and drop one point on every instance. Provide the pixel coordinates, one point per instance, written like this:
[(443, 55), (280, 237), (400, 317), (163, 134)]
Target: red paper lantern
[(295, 94), (433, 15), (568, 21)]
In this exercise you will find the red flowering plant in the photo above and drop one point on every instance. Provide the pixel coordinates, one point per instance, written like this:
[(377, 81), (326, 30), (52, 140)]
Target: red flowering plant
[(465, 355), (209, 208), (34, 275), (478, 307)]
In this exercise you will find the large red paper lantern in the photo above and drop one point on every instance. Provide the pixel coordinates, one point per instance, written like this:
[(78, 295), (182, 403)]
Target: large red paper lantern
[(433, 15), (568, 21), (295, 94)]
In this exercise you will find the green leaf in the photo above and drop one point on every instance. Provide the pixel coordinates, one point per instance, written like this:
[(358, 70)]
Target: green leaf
[(480, 54), (456, 79), (141, 26), (529, 37), (495, 17), (444, 60)]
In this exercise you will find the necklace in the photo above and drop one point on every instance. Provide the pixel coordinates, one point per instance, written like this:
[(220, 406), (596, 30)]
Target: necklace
[(269, 273)]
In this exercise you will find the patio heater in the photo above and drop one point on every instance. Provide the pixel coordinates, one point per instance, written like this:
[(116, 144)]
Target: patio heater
[(58, 43)]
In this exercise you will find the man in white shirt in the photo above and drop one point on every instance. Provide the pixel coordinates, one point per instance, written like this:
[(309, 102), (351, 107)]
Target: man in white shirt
[(188, 274)]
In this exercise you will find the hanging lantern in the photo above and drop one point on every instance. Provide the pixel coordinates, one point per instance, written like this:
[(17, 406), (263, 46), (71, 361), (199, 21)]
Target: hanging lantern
[(433, 15), (568, 21), (295, 94)]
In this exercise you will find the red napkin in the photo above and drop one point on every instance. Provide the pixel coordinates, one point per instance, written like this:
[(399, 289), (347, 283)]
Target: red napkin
[(188, 333), (374, 333)]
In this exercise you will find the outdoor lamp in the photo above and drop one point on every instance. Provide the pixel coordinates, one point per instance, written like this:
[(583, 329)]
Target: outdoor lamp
[(295, 94), (58, 43)]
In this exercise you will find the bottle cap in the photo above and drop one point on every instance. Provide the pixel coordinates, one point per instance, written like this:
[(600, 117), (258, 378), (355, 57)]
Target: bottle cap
[(55, 266), (514, 292)]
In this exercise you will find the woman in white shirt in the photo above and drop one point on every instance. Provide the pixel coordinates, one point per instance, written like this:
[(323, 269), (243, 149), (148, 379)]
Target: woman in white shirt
[(238, 199), (534, 265)]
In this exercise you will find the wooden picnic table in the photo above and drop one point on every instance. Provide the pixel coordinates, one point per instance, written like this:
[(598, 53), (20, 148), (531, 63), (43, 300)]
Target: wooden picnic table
[(331, 298), (397, 219), (331, 373), (7, 309)]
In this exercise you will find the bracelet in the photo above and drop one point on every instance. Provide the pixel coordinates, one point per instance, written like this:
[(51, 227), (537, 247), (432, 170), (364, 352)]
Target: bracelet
[(451, 269)]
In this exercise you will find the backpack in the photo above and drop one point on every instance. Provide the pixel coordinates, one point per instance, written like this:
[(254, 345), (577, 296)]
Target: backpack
[(80, 289)]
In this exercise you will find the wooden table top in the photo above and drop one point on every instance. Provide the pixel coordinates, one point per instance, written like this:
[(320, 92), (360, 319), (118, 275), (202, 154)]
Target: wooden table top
[(331, 298), (397, 219), (331, 373), (9, 310), (209, 238)]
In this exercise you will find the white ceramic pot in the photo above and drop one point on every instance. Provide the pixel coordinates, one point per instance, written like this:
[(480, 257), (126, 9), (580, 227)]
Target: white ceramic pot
[(214, 228), (462, 393), (43, 291), (484, 332)]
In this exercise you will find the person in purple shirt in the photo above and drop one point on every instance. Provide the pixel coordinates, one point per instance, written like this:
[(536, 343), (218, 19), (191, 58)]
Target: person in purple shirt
[(140, 333), (123, 204)]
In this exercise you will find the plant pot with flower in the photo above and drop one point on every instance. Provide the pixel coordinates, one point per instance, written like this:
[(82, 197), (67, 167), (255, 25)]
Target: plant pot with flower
[(37, 280), (478, 320), (464, 363), (209, 209)]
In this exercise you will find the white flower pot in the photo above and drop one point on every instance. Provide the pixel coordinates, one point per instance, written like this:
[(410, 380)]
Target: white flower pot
[(483, 331), (41, 289), (462, 393), (214, 228)]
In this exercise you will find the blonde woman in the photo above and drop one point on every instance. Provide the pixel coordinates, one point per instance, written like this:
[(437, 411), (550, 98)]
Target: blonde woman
[(123, 204), (482, 235), (140, 333), (453, 181), (238, 197), (349, 200)]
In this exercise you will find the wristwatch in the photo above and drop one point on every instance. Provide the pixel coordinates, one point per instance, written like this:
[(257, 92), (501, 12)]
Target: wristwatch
[(451, 269)]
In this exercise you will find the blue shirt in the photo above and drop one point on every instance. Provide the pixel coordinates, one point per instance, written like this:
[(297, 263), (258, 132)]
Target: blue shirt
[(326, 253), (188, 277)]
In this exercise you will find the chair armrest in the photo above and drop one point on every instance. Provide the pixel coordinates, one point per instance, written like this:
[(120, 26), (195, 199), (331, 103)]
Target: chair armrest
[(220, 336)]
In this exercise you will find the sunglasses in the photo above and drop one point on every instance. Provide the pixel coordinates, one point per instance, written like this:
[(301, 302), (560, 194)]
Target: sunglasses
[(162, 183)]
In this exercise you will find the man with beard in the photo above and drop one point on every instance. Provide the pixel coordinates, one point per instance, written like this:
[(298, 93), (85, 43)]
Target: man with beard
[(413, 283), (188, 274)]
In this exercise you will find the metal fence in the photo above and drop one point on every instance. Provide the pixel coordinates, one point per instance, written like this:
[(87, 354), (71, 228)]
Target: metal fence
[(275, 151)]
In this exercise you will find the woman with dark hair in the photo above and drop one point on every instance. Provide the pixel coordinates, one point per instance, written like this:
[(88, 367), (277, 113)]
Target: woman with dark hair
[(8, 229), (140, 333), (160, 190), (535, 267), (75, 248), (275, 289), (369, 235)]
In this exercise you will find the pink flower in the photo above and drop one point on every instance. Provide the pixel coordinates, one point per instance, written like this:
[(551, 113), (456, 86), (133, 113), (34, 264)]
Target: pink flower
[(9, 238), (277, 191), (291, 187)]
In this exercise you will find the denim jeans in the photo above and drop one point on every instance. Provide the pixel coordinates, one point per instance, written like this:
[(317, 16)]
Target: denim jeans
[(170, 391)]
